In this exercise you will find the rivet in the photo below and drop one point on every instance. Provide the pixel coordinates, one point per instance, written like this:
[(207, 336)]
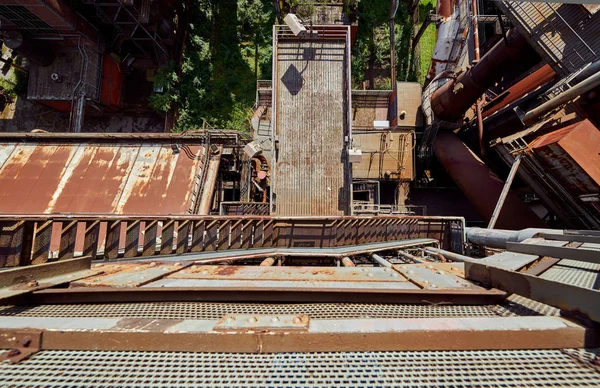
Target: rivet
[(275, 319), (205, 272), (252, 320), (433, 286), (230, 319), (439, 272), (153, 264)]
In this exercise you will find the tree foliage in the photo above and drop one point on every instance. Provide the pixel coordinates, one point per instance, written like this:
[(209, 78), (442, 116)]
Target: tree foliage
[(228, 47), (371, 56)]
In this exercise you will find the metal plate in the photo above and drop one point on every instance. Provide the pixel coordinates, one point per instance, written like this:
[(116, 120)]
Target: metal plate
[(431, 278), (128, 275), (313, 274), (514, 368)]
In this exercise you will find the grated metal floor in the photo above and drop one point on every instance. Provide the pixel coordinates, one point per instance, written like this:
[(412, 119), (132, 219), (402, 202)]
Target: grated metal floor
[(540, 368), (199, 310)]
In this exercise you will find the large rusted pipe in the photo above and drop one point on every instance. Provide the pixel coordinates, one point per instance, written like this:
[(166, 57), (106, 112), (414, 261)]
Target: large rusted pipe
[(480, 185), (538, 78), (451, 100)]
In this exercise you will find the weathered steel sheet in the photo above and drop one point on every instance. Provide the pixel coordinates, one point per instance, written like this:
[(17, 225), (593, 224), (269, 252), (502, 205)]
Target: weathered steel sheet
[(430, 277), (309, 177), (289, 274), (572, 154), (123, 178)]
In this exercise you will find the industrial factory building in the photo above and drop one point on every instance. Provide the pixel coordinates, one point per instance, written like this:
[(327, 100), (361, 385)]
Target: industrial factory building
[(444, 234)]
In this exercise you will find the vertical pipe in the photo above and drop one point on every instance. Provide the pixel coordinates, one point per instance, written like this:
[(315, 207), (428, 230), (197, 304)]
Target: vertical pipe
[(479, 103)]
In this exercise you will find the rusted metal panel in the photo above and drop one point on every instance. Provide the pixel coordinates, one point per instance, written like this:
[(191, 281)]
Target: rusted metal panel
[(430, 277), (289, 274), (127, 275), (572, 154), (309, 176), (409, 101), (127, 178), (130, 236), (306, 335), (480, 185), (23, 280), (386, 154)]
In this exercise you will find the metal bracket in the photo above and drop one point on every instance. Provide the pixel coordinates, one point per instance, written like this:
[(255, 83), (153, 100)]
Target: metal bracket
[(22, 344), (253, 323)]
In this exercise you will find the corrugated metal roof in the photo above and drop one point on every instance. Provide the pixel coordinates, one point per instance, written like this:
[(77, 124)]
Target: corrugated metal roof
[(122, 178), (310, 104)]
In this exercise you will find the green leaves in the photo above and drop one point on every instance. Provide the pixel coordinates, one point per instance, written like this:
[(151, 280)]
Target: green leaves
[(228, 47)]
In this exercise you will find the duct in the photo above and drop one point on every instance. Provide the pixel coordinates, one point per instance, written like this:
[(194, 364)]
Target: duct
[(447, 32), (480, 185), (451, 100), (582, 87), (498, 238)]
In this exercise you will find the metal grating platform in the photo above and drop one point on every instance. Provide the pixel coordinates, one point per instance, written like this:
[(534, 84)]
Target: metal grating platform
[(542, 368), (194, 310)]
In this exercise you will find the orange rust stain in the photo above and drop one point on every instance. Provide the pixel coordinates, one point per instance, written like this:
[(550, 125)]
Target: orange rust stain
[(226, 270), (322, 272)]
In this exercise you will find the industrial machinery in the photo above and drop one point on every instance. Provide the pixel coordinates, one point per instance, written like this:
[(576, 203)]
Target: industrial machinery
[(281, 258)]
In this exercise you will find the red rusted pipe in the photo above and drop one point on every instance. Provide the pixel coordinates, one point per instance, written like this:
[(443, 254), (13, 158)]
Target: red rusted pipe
[(528, 84), (451, 100), (480, 185)]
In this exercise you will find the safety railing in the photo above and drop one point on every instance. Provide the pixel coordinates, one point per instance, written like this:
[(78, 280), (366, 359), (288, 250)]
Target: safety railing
[(38, 239)]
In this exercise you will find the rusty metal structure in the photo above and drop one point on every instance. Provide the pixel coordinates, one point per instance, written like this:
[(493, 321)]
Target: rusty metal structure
[(79, 54), (285, 257)]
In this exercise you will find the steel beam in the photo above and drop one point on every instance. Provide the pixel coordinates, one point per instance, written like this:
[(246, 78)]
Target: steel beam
[(23, 280), (579, 254), (577, 300), (505, 189), (572, 238), (342, 294), (271, 334)]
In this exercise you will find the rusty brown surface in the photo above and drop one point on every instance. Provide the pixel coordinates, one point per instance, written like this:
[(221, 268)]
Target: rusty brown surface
[(450, 101), (480, 185), (127, 178), (312, 294), (316, 336), (309, 176), (527, 85), (572, 154), (117, 236)]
